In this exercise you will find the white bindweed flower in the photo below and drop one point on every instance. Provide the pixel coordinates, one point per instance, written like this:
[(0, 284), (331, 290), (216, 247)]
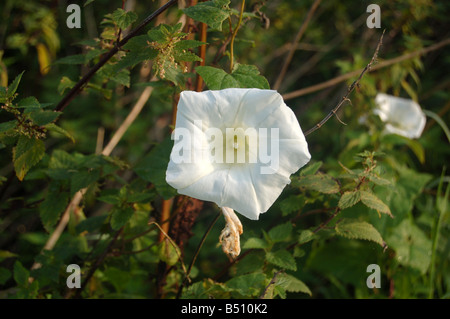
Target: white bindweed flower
[(402, 116), (236, 148)]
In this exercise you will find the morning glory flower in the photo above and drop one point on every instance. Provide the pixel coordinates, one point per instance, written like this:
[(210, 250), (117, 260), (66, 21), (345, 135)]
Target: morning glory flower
[(402, 116), (236, 148)]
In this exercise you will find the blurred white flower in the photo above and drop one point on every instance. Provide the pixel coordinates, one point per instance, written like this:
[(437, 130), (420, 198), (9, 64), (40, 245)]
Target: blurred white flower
[(402, 116), (221, 152)]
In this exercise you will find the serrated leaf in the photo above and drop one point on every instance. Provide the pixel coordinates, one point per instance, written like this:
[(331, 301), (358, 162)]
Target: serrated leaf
[(42, 118), (55, 128), (248, 76), (282, 258), (377, 179), (188, 44), (27, 153), (6, 126), (28, 103), (187, 57), (310, 169), (292, 284), (247, 285), (243, 76), (318, 182), (64, 84), (120, 216), (52, 207), (292, 204), (83, 179), (349, 199), (306, 236), (255, 243), (372, 201), (209, 12), (123, 18), (216, 79), (355, 229), (21, 274), (412, 246), (281, 232), (12, 88)]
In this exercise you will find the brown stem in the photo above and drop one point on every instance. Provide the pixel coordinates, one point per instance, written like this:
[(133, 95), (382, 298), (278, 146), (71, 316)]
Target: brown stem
[(203, 28)]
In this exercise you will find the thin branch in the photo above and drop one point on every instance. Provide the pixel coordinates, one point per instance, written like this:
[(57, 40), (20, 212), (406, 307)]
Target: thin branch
[(344, 77), (197, 251), (349, 90), (274, 279), (297, 39), (86, 78), (234, 36), (203, 38)]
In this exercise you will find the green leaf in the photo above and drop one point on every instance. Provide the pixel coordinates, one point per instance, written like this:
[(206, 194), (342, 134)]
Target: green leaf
[(306, 236), (349, 199), (6, 126), (248, 76), (169, 253), (55, 128), (282, 258), (12, 88), (123, 18), (412, 246), (354, 229), (247, 285), (83, 179), (52, 207), (41, 117), (292, 284), (243, 76), (318, 182), (64, 84), (187, 44), (138, 51), (27, 153), (152, 168), (281, 232), (91, 224), (217, 79), (255, 243), (310, 169), (120, 216), (209, 12), (21, 274), (293, 203), (5, 274), (370, 200), (6, 254), (29, 103)]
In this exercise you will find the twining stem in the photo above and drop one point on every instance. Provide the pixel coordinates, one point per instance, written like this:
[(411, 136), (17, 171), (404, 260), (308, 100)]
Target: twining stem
[(197, 251), (234, 36), (87, 77), (203, 28), (349, 90)]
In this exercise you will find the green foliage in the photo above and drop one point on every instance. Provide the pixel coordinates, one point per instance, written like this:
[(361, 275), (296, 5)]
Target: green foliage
[(365, 198), (243, 76)]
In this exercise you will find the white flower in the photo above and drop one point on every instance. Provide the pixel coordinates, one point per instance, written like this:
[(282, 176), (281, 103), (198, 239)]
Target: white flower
[(402, 116), (221, 152)]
